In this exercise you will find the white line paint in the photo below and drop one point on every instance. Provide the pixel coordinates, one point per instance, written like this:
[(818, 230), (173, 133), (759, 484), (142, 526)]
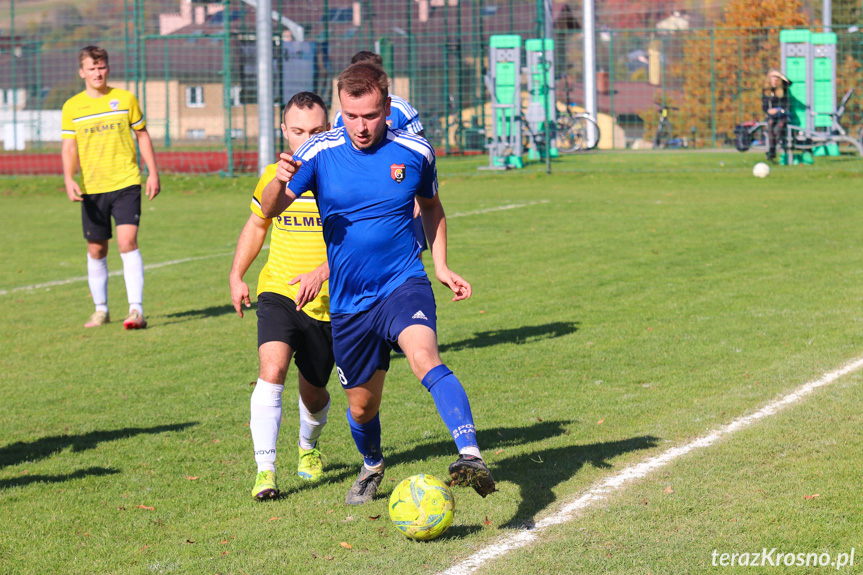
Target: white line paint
[(115, 273), (496, 209), (186, 260), (600, 490)]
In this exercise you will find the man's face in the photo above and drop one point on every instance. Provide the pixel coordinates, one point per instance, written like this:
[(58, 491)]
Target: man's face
[(365, 118), (301, 124), (95, 74)]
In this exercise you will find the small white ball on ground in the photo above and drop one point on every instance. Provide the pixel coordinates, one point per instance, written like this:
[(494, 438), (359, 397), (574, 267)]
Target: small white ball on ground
[(761, 170)]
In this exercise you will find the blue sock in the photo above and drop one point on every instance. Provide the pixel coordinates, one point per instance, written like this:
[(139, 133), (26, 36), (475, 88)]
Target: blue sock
[(367, 436), (453, 406)]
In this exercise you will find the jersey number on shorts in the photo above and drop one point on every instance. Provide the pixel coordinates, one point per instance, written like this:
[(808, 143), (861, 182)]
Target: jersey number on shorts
[(342, 378)]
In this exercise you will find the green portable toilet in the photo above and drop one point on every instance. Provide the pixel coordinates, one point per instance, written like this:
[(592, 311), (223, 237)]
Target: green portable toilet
[(796, 65)]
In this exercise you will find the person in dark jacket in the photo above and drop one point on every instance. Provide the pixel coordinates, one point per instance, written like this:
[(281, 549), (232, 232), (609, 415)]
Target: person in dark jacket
[(774, 102)]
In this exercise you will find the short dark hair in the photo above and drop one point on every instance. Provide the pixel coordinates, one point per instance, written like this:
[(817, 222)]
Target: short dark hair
[(94, 53), (366, 56), (363, 78), (304, 101)]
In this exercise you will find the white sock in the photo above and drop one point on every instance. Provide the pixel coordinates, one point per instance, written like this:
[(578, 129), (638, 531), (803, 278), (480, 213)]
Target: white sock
[(470, 451), (97, 276), (133, 273), (311, 425), (266, 408)]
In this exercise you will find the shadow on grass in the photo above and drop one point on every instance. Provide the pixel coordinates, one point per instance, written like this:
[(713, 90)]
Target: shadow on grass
[(212, 311), (22, 451), (524, 334), (28, 479), (488, 439), (538, 472)]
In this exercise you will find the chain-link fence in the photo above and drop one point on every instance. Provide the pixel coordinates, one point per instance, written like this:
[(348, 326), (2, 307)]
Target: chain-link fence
[(193, 66)]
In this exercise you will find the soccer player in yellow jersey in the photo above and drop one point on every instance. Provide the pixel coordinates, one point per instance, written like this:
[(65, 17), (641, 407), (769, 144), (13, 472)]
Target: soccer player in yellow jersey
[(293, 309), (97, 127)]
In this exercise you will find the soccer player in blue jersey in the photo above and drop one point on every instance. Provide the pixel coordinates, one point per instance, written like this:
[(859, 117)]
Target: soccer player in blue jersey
[(402, 116), (365, 177)]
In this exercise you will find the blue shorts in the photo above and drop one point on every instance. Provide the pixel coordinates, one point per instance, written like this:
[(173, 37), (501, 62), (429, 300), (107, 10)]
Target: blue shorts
[(362, 341)]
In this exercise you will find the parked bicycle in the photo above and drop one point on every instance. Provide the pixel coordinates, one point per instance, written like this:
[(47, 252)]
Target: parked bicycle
[(574, 128), (570, 132)]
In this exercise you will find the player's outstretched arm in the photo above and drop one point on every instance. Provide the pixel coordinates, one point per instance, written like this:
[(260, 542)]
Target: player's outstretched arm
[(249, 245), (276, 196), (310, 284), (69, 155), (434, 224), (145, 144)]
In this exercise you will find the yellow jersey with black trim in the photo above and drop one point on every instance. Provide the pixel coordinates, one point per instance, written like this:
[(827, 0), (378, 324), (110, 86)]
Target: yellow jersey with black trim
[(102, 128), (296, 247)]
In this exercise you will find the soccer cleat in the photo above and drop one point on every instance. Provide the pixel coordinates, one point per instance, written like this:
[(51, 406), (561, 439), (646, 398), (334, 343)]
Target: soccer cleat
[(134, 320), (265, 486), (98, 318), (470, 471), (365, 487), (310, 466)]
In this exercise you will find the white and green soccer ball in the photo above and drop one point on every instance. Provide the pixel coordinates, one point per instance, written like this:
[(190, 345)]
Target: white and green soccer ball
[(422, 507), (761, 170)]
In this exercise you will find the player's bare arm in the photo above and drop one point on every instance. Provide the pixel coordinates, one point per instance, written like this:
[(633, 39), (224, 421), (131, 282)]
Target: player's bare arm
[(249, 245), (276, 196), (69, 155), (434, 224), (145, 144), (310, 284)]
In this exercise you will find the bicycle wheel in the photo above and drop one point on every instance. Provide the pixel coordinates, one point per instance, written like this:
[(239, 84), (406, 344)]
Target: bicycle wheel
[(573, 134)]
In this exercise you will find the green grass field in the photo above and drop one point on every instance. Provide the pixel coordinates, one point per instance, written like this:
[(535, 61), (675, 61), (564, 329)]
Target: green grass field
[(624, 305)]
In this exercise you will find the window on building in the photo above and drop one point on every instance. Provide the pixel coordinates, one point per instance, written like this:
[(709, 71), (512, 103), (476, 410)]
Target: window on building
[(194, 96), (235, 96), (196, 134)]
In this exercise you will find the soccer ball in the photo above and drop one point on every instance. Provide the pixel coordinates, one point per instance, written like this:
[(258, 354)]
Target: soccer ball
[(761, 170), (422, 507)]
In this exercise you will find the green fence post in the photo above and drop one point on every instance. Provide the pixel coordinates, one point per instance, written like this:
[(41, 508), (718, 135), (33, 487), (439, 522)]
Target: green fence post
[(14, 84), (446, 79), (38, 50), (611, 83), (167, 99), (662, 63), (712, 91), (410, 48), (226, 86), (143, 51), (739, 95)]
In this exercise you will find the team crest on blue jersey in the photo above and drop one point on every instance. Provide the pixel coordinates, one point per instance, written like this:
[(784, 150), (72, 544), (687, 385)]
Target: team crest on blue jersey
[(397, 172), (114, 104)]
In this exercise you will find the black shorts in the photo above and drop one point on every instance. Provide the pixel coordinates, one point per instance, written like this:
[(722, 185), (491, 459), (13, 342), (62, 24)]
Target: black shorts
[(97, 209), (311, 339)]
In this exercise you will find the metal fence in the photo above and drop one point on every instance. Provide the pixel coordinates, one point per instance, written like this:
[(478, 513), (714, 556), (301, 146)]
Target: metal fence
[(193, 66)]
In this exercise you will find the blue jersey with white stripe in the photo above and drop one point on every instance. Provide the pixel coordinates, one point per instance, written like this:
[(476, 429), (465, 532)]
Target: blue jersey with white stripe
[(366, 201), (402, 116)]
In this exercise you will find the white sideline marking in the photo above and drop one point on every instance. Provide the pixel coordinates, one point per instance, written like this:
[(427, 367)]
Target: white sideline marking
[(600, 490), (186, 260), (115, 273), (496, 209)]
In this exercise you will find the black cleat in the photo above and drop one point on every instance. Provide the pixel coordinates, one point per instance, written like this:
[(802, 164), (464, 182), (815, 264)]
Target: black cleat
[(365, 487), (470, 471)]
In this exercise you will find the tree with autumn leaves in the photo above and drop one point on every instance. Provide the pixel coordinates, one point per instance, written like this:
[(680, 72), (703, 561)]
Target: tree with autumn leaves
[(722, 70)]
